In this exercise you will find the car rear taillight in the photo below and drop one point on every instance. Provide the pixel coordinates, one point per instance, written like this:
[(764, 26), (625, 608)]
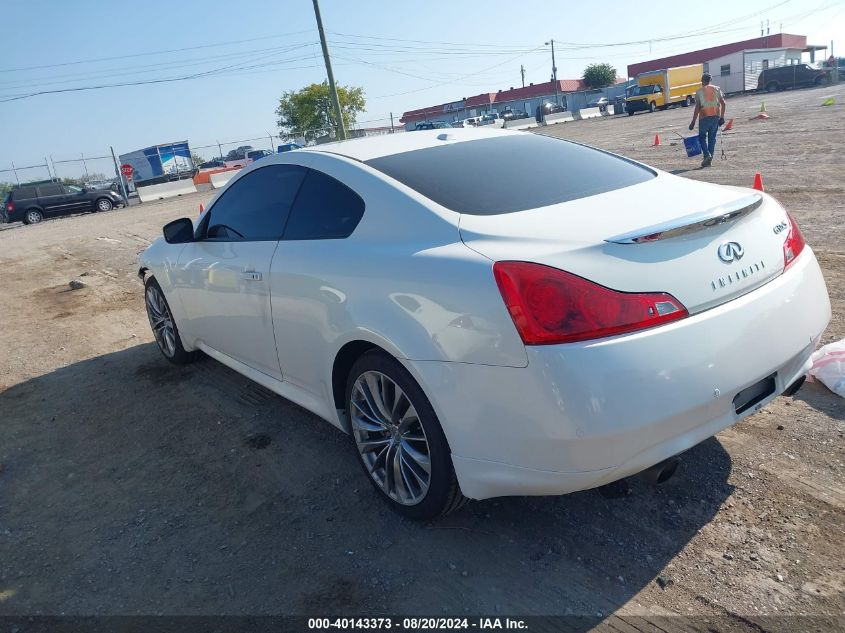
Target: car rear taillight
[(549, 306), (10, 206), (794, 243)]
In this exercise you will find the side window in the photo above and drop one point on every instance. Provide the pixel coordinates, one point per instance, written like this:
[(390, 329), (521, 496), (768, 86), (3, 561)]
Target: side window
[(25, 193), (256, 207), (50, 190), (325, 209)]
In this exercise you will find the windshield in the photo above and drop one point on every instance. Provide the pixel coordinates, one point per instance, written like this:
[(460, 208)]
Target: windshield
[(541, 171), (644, 90)]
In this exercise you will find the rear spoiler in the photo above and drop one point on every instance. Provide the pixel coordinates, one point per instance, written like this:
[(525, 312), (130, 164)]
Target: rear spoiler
[(691, 223)]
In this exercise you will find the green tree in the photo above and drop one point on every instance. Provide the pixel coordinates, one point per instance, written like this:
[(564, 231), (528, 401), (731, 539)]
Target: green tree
[(309, 112), (599, 75), (198, 160)]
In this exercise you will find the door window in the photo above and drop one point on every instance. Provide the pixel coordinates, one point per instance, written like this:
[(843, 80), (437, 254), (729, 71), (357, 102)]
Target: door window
[(325, 209), (255, 207), (50, 190)]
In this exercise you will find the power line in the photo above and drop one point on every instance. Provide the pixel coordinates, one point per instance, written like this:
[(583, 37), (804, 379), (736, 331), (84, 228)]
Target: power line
[(160, 52)]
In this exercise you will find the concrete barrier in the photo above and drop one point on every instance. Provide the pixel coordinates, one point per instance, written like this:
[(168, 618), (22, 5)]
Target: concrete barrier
[(520, 124), (587, 113), (222, 177), (204, 176), (559, 117), (166, 190)]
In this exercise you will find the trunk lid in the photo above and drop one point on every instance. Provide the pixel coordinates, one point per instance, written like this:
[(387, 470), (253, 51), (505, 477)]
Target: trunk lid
[(704, 244)]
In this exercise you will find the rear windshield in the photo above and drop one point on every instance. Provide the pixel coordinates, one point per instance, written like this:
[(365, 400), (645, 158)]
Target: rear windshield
[(509, 173)]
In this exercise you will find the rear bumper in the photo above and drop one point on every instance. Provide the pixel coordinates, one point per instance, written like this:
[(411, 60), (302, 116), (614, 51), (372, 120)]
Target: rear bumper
[(585, 414)]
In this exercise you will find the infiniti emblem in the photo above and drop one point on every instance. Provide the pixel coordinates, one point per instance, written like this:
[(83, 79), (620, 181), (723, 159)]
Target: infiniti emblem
[(730, 252)]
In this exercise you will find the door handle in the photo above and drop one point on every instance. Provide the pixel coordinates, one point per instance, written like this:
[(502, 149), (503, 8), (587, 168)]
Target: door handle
[(252, 276)]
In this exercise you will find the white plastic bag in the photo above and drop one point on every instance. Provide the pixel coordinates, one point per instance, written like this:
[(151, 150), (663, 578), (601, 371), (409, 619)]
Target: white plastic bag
[(829, 367)]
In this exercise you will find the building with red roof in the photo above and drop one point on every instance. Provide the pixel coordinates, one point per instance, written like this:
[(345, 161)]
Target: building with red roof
[(526, 99)]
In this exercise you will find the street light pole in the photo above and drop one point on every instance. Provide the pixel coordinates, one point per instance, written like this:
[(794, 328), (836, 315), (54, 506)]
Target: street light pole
[(554, 70), (341, 132)]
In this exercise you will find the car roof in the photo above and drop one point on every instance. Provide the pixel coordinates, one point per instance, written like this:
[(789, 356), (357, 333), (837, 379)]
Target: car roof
[(367, 148)]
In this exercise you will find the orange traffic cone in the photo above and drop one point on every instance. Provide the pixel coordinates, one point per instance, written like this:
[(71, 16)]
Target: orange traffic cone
[(728, 126), (758, 181), (656, 140)]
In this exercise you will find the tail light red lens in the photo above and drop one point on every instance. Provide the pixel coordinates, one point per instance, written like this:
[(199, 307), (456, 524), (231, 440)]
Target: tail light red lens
[(549, 306), (10, 206), (794, 243)]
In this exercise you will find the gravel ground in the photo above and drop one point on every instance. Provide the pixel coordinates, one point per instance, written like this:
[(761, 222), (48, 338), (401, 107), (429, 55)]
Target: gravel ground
[(130, 486)]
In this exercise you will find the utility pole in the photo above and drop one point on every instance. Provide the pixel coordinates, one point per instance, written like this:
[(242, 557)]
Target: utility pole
[(391, 123), (119, 176), (220, 149), (341, 132), (522, 72), (554, 70)]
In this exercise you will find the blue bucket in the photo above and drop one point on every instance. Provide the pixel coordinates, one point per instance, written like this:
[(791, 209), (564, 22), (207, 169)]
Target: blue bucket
[(692, 145)]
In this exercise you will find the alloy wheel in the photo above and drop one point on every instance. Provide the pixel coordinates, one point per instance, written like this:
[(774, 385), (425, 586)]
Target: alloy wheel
[(390, 438), (161, 321), (33, 217), (104, 205)]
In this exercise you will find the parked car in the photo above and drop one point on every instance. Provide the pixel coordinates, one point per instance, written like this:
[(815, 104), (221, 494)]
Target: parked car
[(600, 103), (489, 118), (212, 164), (101, 184), (288, 147), (793, 76), (510, 115), (552, 108), (544, 331), (258, 154), (31, 203), (431, 125)]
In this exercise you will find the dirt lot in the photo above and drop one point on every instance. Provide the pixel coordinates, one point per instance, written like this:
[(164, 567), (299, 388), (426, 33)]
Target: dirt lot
[(129, 486)]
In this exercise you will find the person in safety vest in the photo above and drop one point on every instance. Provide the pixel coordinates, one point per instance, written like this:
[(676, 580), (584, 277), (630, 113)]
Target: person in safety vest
[(710, 112)]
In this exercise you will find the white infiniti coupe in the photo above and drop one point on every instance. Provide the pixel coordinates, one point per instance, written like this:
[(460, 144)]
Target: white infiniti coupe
[(493, 313)]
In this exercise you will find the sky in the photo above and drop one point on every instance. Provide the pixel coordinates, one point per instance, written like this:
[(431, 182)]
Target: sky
[(241, 56)]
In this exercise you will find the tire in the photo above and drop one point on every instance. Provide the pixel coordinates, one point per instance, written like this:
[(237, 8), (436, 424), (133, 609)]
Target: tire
[(772, 86), (33, 216), (163, 325), (652, 107), (409, 436), (103, 204), (687, 102), (630, 113)]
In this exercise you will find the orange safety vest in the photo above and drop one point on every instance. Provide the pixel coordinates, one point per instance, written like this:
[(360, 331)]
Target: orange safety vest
[(708, 100)]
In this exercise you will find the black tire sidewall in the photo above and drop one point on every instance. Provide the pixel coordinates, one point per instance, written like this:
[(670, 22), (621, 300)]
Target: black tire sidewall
[(180, 356), (97, 205), (38, 211), (442, 471)]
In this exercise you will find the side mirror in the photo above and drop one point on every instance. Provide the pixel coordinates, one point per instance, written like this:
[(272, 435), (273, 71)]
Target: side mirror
[(179, 231)]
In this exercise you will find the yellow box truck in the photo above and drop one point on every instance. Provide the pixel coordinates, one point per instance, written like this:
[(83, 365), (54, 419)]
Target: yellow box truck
[(662, 88)]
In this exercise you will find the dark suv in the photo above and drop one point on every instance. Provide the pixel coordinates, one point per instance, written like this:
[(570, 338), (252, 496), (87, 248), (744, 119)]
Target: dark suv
[(33, 202), (792, 76)]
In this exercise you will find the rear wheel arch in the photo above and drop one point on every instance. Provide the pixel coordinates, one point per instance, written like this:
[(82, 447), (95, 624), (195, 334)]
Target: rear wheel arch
[(343, 362)]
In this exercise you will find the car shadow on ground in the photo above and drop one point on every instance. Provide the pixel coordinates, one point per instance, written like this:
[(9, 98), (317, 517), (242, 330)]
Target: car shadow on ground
[(822, 399), (129, 485)]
